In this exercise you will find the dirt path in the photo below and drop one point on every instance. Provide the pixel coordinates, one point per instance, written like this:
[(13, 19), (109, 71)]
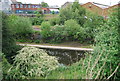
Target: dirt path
[(56, 47)]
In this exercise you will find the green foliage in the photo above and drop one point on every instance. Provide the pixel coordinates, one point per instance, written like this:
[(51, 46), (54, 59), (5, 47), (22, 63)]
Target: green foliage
[(5, 66), (86, 68), (32, 62), (53, 12), (39, 17), (58, 34), (54, 21), (103, 63), (45, 5), (71, 27), (92, 25), (107, 43), (20, 26), (9, 46), (74, 11), (67, 72), (37, 20), (45, 30)]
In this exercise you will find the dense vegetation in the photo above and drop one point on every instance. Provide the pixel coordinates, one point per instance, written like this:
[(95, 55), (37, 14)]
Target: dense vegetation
[(32, 62), (72, 24), (9, 46), (20, 26)]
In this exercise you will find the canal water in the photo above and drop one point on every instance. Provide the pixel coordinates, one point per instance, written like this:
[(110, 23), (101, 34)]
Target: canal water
[(66, 57)]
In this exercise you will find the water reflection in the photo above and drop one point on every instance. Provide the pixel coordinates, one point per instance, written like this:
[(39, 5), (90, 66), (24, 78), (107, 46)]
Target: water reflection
[(66, 57)]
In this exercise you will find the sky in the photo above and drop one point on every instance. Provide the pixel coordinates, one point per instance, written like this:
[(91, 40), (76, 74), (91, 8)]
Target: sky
[(61, 2)]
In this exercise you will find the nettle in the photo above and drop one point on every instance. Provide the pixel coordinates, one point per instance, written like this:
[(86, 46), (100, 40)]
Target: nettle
[(32, 62)]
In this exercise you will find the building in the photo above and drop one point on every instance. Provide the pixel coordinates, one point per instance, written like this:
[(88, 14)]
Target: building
[(19, 8), (107, 11), (100, 9), (5, 6), (95, 8)]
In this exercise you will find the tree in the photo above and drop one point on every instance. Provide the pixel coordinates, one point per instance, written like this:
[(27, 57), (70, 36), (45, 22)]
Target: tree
[(45, 5), (45, 30), (9, 46), (74, 11), (71, 27), (20, 26)]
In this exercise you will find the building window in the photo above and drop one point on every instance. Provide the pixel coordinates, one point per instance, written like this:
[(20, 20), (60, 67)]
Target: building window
[(17, 6), (25, 6), (21, 6), (36, 6), (33, 6), (90, 6), (29, 6)]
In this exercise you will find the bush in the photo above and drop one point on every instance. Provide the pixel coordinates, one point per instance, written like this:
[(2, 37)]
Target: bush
[(9, 46), (32, 62), (92, 25), (74, 11), (37, 20), (107, 44), (58, 34), (71, 27), (55, 21), (45, 30), (20, 26), (5, 66)]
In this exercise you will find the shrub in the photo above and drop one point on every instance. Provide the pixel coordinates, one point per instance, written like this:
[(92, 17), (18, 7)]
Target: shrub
[(74, 11), (37, 20), (55, 21), (45, 30), (20, 26), (107, 44), (71, 27), (92, 25), (5, 66), (9, 46), (32, 62), (58, 34)]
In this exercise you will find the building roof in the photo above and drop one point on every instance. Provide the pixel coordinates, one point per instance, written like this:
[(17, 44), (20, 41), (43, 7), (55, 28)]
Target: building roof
[(47, 9), (100, 5), (54, 10), (66, 4), (14, 1)]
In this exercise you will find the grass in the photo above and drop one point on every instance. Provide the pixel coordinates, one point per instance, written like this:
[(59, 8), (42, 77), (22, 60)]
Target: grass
[(50, 16), (69, 72)]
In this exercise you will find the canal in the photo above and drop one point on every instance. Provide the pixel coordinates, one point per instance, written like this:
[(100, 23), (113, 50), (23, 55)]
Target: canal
[(66, 57)]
